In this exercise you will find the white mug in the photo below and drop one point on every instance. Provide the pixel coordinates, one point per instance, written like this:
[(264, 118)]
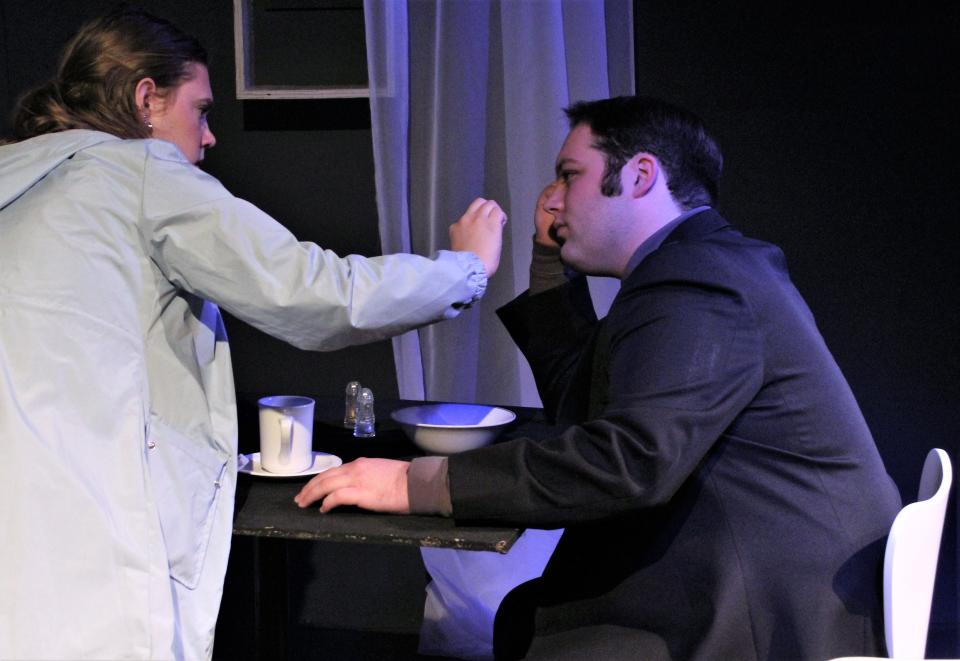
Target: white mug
[(286, 433)]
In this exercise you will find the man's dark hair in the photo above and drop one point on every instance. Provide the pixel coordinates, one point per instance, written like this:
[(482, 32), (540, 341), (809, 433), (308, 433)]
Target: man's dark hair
[(627, 125)]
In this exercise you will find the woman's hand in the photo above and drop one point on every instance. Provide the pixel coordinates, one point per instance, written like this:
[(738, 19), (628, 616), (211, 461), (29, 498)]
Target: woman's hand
[(480, 231), (373, 484)]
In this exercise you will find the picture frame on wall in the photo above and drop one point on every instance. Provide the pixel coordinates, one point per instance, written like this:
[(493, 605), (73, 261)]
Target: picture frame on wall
[(300, 49)]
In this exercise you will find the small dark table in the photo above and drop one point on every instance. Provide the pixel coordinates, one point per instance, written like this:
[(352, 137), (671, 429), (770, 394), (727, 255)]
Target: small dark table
[(266, 511)]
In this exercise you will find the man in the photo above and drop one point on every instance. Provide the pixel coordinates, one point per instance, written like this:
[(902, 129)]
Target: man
[(721, 493)]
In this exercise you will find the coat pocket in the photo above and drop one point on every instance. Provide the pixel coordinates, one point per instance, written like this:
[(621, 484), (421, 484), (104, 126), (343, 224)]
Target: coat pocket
[(186, 475)]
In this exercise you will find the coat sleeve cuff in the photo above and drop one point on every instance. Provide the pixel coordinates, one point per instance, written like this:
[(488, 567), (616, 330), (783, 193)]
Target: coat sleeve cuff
[(428, 487), (476, 277), (546, 269)]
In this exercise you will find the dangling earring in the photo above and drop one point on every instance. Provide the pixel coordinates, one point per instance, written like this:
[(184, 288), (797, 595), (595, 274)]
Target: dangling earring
[(145, 113)]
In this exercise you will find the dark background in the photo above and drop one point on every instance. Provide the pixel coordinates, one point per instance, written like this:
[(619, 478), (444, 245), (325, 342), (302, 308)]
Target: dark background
[(838, 123)]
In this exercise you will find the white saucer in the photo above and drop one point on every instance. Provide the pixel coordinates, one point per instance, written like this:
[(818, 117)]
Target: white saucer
[(250, 463)]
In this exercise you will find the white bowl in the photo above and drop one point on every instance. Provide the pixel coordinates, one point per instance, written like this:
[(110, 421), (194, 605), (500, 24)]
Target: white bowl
[(451, 428)]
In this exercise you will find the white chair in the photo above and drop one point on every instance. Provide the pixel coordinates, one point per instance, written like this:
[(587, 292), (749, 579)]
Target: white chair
[(910, 563)]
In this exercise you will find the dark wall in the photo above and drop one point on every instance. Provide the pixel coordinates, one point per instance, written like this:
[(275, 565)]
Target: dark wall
[(838, 123), (307, 163)]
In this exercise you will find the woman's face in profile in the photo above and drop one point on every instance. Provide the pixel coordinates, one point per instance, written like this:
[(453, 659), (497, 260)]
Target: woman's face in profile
[(180, 115)]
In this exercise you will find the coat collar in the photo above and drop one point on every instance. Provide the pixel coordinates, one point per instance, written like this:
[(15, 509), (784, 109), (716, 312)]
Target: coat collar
[(697, 226), (24, 163)]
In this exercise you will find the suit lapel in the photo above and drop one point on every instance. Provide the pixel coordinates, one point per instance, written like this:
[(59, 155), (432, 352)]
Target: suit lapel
[(694, 228)]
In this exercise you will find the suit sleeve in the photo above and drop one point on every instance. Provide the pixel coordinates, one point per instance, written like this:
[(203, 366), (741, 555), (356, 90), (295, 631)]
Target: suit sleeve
[(553, 330), (684, 361)]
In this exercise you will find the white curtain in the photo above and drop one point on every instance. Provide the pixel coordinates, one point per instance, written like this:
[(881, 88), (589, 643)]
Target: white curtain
[(466, 101), (386, 35)]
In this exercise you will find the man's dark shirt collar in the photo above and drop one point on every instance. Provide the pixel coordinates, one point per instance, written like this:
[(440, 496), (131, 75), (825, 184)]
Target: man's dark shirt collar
[(656, 239)]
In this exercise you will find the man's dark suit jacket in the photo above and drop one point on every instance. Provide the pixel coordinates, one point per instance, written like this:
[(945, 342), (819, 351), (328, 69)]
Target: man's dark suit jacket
[(722, 495)]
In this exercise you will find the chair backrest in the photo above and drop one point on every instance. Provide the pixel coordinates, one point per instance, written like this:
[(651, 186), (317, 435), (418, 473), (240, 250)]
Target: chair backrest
[(910, 564)]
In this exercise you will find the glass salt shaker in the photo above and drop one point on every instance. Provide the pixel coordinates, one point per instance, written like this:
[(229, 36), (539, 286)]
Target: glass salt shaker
[(364, 428), (350, 404)]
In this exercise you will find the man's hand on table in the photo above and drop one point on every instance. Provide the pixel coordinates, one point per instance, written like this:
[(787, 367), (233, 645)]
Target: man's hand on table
[(373, 484)]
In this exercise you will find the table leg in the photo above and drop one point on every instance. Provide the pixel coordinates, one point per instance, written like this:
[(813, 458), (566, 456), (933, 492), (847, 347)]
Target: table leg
[(271, 618)]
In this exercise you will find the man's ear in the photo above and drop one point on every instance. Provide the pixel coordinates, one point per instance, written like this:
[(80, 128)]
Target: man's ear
[(644, 169), (144, 93)]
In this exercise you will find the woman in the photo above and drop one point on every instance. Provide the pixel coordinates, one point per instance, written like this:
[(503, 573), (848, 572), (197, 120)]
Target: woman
[(117, 411)]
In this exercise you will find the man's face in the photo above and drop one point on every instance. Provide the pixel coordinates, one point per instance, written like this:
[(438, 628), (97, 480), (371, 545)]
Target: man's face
[(594, 230), (180, 116)]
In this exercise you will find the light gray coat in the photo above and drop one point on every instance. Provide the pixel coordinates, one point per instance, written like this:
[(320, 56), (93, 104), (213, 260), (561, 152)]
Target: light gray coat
[(117, 410)]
